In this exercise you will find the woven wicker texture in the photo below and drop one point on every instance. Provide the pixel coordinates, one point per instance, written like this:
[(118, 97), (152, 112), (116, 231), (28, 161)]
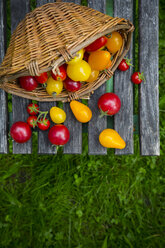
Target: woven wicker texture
[(51, 35)]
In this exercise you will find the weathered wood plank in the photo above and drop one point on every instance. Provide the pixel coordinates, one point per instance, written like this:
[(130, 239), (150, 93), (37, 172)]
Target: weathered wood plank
[(96, 125), (3, 95), (18, 10), (123, 120), (148, 63)]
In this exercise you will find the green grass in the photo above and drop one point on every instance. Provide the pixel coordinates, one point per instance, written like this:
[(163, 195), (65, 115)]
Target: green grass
[(73, 201)]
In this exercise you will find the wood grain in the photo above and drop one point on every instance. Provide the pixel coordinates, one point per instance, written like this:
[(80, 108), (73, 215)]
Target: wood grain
[(148, 63), (123, 120)]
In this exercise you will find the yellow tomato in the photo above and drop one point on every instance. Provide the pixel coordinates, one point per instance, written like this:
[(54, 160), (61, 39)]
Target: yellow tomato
[(98, 60), (57, 115), (77, 58), (79, 71), (54, 87), (93, 76), (114, 43), (109, 64), (111, 139), (81, 112)]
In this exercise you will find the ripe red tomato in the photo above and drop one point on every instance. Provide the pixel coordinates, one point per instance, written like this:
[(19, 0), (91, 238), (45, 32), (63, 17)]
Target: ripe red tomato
[(97, 44), (42, 78), (43, 124), (32, 121), (28, 83), (137, 77), (109, 104), (71, 85), (33, 109), (124, 64), (20, 132), (61, 76), (59, 135)]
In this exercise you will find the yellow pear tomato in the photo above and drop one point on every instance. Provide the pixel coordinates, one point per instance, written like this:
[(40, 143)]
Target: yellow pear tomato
[(114, 43), (79, 71), (111, 139), (77, 58), (54, 87), (81, 112), (57, 115), (93, 76), (99, 60)]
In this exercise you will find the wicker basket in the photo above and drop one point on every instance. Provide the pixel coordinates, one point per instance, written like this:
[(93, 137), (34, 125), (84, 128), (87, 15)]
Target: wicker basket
[(50, 36)]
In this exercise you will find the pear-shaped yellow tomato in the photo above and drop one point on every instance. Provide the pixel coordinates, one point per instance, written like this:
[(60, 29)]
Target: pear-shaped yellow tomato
[(79, 71), (111, 139), (77, 58), (54, 87), (93, 76), (98, 60), (114, 43), (57, 115), (81, 112)]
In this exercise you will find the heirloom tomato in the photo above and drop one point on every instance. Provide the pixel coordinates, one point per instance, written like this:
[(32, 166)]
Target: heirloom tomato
[(54, 87), (61, 75), (99, 60), (97, 44), (42, 78), (59, 135), (20, 132), (109, 104), (94, 75), (81, 112), (114, 42), (57, 115), (77, 58), (109, 138), (71, 85), (28, 83), (79, 71)]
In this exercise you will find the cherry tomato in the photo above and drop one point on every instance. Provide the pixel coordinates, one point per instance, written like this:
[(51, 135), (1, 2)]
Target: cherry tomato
[(125, 64), (20, 132), (81, 112), (42, 78), (114, 43), (59, 135), (109, 104), (62, 74), (71, 85), (33, 109), (57, 115), (97, 44), (77, 58), (99, 60), (94, 75), (137, 77), (28, 83), (79, 71), (109, 138), (43, 124), (54, 87), (109, 64), (32, 121)]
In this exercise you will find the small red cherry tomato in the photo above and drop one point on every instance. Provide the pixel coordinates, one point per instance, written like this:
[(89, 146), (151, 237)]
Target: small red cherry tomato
[(33, 109), (20, 132), (62, 74), (71, 85), (43, 124), (97, 44), (59, 135), (28, 83), (32, 121), (137, 77), (42, 78), (125, 64), (109, 104)]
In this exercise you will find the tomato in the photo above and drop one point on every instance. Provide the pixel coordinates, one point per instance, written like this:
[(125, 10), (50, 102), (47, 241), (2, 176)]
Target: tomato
[(125, 64), (137, 77), (77, 58), (71, 85), (79, 72), (32, 121), (57, 115), (100, 42), (54, 87), (94, 75), (81, 112), (62, 74), (33, 109), (109, 64), (59, 135), (43, 124), (20, 132), (109, 104), (28, 83), (42, 78), (109, 138), (99, 60), (114, 43)]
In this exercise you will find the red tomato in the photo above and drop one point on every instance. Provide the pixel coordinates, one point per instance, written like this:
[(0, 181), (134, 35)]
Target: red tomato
[(33, 109), (109, 104), (28, 83), (137, 77), (124, 64), (71, 85), (59, 135), (32, 121), (62, 75), (43, 124), (20, 132), (97, 44), (42, 78)]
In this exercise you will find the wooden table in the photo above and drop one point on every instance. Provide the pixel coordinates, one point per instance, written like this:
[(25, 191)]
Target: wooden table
[(123, 121)]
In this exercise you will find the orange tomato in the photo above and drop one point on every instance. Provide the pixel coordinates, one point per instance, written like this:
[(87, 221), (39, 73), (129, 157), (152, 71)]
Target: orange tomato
[(93, 76), (109, 138), (81, 112), (114, 43), (109, 64), (98, 60)]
